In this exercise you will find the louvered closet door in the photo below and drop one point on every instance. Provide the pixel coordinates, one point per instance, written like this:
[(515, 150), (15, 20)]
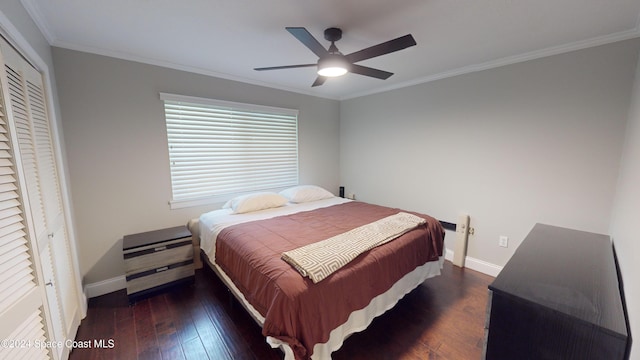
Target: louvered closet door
[(29, 114), (47, 179), (22, 311)]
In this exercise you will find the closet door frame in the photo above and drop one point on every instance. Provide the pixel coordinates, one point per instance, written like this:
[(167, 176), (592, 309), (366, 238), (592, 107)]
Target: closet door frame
[(13, 35)]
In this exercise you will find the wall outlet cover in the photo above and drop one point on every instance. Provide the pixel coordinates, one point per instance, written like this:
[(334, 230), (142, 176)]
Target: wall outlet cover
[(504, 241)]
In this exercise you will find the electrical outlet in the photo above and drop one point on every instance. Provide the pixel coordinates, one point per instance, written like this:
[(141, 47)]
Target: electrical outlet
[(504, 241)]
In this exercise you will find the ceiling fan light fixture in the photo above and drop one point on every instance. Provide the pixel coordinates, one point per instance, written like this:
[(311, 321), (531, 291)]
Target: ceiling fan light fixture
[(331, 62), (333, 66)]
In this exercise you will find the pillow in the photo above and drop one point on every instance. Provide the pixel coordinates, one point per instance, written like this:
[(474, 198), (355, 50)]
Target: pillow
[(254, 202), (306, 193)]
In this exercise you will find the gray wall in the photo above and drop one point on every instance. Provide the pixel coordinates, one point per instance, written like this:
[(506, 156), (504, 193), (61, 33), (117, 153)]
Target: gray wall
[(550, 140), (538, 141), (626, 213), (115, 139)]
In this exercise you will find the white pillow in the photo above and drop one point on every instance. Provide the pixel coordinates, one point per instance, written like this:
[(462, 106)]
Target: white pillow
[(254, 202), (306, 193)]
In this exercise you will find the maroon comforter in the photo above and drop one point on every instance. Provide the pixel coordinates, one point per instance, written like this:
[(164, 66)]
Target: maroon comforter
[(295, 309)]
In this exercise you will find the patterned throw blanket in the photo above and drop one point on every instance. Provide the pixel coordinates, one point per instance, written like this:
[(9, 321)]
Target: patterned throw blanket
[(321, 259)]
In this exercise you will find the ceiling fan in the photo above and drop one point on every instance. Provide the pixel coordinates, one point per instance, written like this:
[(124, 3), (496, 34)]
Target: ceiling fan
[(332, 63)]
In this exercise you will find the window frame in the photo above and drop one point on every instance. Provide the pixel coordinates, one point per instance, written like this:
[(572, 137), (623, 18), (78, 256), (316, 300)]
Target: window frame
[(233, 108)]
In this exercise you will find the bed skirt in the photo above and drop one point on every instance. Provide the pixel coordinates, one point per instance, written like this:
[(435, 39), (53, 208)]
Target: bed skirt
[(358, 321)]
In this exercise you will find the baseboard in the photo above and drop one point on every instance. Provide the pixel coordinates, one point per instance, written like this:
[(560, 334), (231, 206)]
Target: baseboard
[(84, 304), (476, 264), (482, 266), (119, 282), (105, 286), (448, 254)]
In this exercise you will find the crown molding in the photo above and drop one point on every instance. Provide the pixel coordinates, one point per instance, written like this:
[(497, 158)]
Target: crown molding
[(174, 66), (554, 50), (40, 21), (42, 24)]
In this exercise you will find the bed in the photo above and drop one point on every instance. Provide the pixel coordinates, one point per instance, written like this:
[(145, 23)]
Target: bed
[(244, 245)]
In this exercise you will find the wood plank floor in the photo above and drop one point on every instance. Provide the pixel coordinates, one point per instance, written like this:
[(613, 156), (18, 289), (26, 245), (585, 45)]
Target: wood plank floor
[(442, 319)]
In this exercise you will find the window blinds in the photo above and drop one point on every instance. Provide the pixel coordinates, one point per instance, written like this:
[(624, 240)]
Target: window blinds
[(219, 148)]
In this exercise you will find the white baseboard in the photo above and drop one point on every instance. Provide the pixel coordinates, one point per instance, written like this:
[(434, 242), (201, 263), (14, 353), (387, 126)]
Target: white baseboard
[(119, 282), (105, 286), (476, 264), (84, 304)]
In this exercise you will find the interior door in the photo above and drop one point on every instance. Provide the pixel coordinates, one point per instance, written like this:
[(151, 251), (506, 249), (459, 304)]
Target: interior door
[(22, 297), (47, 222), (47, 179)]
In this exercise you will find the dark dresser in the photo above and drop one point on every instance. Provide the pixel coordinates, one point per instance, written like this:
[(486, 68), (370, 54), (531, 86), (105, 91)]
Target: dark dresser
[(558, 297)]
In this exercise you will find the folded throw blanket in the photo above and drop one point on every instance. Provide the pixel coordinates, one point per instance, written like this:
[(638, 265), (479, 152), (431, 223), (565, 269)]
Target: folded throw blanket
[(321, 259)]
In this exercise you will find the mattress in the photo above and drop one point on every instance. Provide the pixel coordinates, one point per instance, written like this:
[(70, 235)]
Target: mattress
[(310, 320)]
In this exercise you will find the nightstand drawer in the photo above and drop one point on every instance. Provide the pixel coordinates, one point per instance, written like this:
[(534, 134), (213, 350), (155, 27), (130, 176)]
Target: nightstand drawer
[(156, 277), (154, 256), (157, 260)]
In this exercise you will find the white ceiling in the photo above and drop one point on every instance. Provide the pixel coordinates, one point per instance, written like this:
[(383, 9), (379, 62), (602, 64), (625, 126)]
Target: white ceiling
[(228, 38)]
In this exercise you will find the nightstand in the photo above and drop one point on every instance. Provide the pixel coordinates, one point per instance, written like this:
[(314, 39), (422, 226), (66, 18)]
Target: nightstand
[(157, 260)]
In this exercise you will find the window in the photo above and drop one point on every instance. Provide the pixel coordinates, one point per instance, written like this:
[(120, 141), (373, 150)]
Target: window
[(218, 149)]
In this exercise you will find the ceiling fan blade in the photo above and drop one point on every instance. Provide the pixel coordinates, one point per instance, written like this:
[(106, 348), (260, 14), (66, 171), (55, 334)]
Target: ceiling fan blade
[(390, 46), (319, 81), (367, 71), (308, 40), (284, 67)]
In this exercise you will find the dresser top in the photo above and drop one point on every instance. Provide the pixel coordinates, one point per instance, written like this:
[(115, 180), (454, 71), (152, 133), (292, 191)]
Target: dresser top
[(569, 271), (153, 237)]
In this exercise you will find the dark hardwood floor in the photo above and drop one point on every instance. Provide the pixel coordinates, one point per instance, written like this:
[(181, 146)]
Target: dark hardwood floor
[(442, 319)]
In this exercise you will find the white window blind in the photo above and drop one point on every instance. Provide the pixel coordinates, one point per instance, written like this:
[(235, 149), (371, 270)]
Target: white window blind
[(218, 149)]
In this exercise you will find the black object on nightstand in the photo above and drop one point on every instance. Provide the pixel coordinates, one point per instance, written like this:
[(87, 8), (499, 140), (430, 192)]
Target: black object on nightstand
[(157, 260)]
